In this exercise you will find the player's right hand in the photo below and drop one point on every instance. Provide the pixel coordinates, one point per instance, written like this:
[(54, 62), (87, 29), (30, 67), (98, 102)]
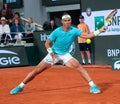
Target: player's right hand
[(103, 29), (54, 57)]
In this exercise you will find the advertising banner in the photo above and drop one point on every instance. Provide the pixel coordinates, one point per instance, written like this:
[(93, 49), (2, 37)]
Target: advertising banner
[(96, 19), (13, 56), (106, 48), (116, 63)]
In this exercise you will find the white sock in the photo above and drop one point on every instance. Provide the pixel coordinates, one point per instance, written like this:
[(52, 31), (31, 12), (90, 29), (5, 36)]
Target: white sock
[(22, 85), (83, 61), (89, 61), (91, 83)]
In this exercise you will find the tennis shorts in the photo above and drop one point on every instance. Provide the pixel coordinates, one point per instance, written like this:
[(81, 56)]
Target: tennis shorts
[(83, 47), (65, 58)]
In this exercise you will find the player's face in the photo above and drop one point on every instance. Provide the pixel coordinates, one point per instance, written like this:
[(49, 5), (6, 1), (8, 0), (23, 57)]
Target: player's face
[(66, 22)]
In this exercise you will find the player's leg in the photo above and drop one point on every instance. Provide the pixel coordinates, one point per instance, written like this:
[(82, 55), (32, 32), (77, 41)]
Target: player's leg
[(73, 63), (86, 49), (82, 52), (38, 69), (89, 56), (44, 64), (83, 57)]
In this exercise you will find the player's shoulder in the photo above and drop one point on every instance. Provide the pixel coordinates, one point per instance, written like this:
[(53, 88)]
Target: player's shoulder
[(73, 27), (58, 28)]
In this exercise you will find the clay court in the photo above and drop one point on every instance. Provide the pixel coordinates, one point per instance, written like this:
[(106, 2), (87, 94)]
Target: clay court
[(60, 85)]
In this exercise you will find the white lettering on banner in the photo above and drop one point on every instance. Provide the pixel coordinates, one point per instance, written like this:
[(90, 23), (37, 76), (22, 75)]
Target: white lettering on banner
[(7, 52), (9, 60), (44, 37), (113, 52)]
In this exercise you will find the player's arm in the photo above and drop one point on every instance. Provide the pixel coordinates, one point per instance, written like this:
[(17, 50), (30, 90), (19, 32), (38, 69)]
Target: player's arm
[(48, 45), (93, 34)]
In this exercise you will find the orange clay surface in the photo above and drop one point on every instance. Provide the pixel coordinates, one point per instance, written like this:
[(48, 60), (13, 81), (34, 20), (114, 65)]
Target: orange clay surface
[(60, 85)]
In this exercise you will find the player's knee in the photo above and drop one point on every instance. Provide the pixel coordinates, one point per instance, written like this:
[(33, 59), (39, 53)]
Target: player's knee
[(76, 65)]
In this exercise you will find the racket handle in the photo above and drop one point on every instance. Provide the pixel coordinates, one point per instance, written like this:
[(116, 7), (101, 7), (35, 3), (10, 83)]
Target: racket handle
[(106, 24), (96, 33), (105, 27)]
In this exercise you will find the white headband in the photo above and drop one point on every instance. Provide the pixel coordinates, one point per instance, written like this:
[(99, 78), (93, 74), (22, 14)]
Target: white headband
[(66, 16)]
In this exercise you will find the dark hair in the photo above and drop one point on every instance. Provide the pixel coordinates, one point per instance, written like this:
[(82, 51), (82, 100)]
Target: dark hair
[(65, 13), (17, 13), (18, 21), (4, 5), (46, 25), (81, 17), (52, 19)]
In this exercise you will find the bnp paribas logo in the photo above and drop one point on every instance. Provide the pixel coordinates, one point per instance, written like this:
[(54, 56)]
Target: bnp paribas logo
[(99, 22)]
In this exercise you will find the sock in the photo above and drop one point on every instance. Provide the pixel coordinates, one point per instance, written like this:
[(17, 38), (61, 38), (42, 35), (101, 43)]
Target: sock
[(83, 61), (89, 61), (91, 83), (22, 85)]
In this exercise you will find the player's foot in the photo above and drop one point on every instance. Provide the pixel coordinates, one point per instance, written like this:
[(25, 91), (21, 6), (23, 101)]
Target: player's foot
[(16, 90), (94, 89)]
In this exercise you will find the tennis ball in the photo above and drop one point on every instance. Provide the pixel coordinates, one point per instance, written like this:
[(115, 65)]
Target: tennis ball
[(88, 41)]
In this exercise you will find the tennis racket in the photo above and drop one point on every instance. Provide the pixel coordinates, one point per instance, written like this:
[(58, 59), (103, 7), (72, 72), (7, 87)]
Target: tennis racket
[(110, 16)]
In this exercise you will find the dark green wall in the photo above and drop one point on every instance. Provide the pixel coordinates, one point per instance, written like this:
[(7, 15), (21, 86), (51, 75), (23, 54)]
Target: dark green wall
[(106, 48), (59, 2), (100, 4), (33, 55)]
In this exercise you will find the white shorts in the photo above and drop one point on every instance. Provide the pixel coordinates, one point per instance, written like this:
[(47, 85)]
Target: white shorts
[(65, 58)]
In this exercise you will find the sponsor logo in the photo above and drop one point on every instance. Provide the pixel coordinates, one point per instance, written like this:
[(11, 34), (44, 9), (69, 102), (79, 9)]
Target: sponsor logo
[(99, 22), (44, 36), (117, 65), (9, 58), (113, 52)]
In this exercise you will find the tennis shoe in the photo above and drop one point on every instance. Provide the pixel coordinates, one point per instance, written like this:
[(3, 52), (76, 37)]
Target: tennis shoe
[(94, 89), (16, 90)]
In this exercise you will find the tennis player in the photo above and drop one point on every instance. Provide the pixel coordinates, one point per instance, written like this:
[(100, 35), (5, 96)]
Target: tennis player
[(58, 45)]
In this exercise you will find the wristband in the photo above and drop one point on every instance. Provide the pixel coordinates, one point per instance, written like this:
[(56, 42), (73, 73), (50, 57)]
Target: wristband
[(96, 33), (49, 50)]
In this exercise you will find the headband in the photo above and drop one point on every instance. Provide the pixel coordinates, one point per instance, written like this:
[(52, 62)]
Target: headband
[(66, 16)]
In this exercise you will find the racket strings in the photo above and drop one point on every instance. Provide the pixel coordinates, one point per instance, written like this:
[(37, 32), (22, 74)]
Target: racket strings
[(111, 16)]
